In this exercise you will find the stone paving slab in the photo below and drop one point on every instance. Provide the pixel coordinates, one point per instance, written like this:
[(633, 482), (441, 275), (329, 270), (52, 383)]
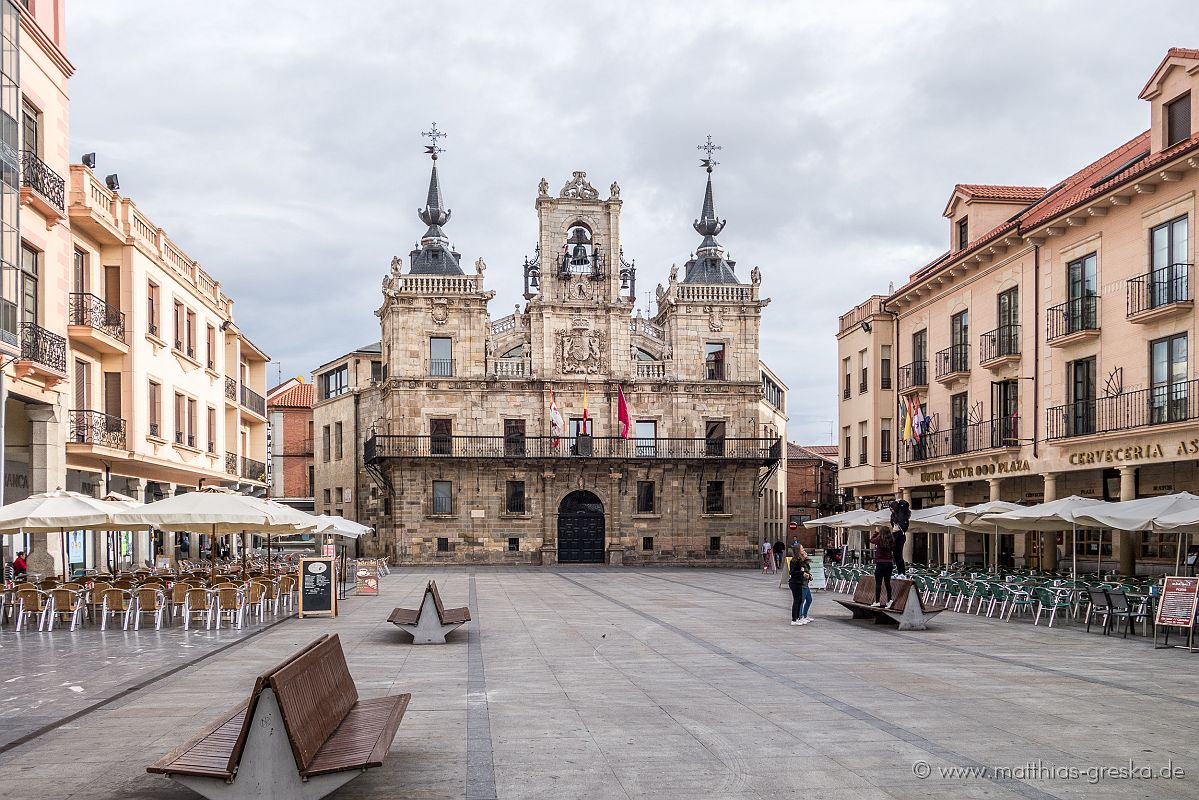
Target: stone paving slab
[(597, 683)]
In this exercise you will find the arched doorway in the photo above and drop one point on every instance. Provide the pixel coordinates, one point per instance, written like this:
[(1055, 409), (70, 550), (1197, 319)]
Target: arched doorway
[(581, 529)]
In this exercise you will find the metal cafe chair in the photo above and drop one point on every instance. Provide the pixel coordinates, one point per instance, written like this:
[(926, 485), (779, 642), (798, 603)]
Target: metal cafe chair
[(64, 602), (28, 603), (115, 601)]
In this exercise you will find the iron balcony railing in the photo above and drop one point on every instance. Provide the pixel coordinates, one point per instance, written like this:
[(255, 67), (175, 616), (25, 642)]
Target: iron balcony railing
[(1002, 342), (96, 427), (44, 347), (230, 388), (884, 381), (1161, 287), (253, 400), (845, 393), (381, 446), (955, 358), (91, 311), (1158, 405), (913, 375), (986, 435), (1072, 316), (43, 180), (886, 454), (440, 506), (846, 461), (254, 470), (231, 463)]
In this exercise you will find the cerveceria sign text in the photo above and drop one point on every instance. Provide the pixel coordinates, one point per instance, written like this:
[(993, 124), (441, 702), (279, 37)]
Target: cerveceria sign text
[(1134, 452)]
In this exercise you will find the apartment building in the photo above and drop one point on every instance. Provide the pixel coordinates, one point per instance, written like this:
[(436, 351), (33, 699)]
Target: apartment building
[(866, 410), (1051, 347), (812, 491), (289, 411)]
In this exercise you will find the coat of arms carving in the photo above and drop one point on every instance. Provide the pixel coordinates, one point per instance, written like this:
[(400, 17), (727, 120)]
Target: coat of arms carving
[(715, 318), (439, 309), (581, 352)]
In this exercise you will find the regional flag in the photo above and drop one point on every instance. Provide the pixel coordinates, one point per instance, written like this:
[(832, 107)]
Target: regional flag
[(622, 413), (556, 425)]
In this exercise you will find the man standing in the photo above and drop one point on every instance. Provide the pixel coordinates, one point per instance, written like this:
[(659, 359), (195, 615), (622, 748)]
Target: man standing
[(778, 554)]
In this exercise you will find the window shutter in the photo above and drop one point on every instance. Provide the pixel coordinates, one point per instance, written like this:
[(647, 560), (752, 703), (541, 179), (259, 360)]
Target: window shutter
[(1178, 120), (112, 394)]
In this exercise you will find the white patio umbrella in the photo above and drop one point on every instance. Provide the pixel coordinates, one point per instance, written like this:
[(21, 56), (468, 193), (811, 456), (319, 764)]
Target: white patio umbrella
[(340, 526), (933, 520), (1051, 516), (975, 519), (838, 520), (872, 519), (55, 512), (1144, 514)]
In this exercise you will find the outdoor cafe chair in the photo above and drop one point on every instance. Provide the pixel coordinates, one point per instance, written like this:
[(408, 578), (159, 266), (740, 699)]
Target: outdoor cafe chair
[(1051, 600), (1121, 610), (64, 602), (1098, 604), (229, 600), (197, 602), (148, 600), (46, 584), (116, 601), (178, 593), (254, 600), (287, 585), (1018, 599), (269, 600), (28, 603)]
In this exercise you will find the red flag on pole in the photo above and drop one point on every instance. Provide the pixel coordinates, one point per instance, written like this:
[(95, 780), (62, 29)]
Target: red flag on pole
[(622, 413)]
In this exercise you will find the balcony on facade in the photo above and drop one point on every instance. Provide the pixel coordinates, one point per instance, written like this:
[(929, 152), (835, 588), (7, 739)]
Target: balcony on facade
[(989, 434), (913, 377), (509, 368), (1072, 321), (384, 446), (43, 354), (231, 463), (439, 506), (100, 325), (1160, 293), (441, 367), (953, 363), (1159, 405), (252, 470), (651, 370), (96, 428), (999, 347), (43, 189), (231, 390), (253, 401)]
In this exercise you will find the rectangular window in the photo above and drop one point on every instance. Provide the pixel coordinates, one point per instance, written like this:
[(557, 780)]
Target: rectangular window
[(210, 352), (83, 385), (1169, 255), (340, 494), (863, 371), (155, 408), (31, 128), (714, 438), (514, 437), (514, 497), (30, 272), (211, 429), (180, 417), (772, 393), (191, 423), (646, 431), (335, 382), (513, 544), (714, 544), (959, 413), (714, 361), (443, 497), (1082, 301), (1178, 120), (885, 441), (647, 543), (327, 443), (1007, 340), (863, 443), (376, 371), (338, 441), (441, 437), (959, 337), (846, 444), (328, 497), (179, 334), (79, 272), (963, 233), (1168, 379), (1093, 543), (714, 497), (152, 309), (191, 334), (884, 368), (441, 357), (919, 376), (846, 388), (443, 544), (645, 497), (1005, 413), (1081, 401)]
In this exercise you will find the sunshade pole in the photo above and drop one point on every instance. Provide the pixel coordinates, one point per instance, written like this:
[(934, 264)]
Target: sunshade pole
[(1074, 550)]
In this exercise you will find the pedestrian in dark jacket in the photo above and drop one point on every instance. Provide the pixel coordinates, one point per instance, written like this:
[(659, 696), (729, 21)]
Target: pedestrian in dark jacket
[(901, 515), (883, 543), (778, 548), (798, 578)]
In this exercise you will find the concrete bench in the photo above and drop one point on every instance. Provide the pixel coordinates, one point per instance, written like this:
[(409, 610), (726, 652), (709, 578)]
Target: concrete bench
[(329, 735), (432, 621), (907, 610)]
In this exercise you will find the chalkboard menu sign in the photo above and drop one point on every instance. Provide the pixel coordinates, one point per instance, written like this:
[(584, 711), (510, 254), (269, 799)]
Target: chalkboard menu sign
[(318, 581), (1177, 605)]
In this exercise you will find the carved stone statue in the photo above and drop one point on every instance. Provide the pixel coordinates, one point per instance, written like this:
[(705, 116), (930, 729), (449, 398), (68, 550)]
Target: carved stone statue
[(755, 276), (674, 272), (578, 188), (397, 264), (480, 265), (543, 188), (615, 191), (660, 293)]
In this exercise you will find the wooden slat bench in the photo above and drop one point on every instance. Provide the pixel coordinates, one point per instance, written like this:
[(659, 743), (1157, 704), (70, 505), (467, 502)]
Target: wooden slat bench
[(907, 609), (302, 733), (432, 621)]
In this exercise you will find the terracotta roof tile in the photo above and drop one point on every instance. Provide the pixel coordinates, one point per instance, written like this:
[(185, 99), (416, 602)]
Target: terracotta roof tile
[(982, 191), (825, 452), (298, 396)]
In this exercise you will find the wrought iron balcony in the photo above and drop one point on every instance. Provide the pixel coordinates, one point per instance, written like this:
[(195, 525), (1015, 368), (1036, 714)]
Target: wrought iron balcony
[(253, 400), (96, 427), (1160, 289), (1159, 405), (253, 470), (986, 435), (92, 312), (383, 446), (953, 361), (231, 463), (913, 376), (43, 180), (230, 388), (43, 347), (1074, 316), (999, 344)]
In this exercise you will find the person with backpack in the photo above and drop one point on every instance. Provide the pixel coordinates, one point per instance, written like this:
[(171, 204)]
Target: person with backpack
[(884, 543), (799, 575), (901, 515)]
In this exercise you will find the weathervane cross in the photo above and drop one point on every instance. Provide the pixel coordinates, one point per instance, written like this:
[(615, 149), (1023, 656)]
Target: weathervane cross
[(708, 148), (434, 135)]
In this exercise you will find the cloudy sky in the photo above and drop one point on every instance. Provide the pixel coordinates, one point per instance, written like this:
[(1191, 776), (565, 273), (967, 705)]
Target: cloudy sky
[(278, 141)]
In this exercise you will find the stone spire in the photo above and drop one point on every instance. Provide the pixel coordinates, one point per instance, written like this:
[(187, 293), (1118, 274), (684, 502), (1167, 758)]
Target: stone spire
[(435, 256), (709, 264)]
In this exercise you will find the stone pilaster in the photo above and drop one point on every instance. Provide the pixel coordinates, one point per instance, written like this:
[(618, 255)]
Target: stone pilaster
[(47, 471), (1128, 540)]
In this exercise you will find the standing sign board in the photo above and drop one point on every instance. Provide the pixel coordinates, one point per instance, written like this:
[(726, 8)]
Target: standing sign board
[(329, 550), (367, 577), (317, 595), (1176, 607), (818, 578)]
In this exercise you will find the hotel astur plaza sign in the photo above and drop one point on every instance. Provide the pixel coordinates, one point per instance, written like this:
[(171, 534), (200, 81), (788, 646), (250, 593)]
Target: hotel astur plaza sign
[(1134, 452), (986, 469)]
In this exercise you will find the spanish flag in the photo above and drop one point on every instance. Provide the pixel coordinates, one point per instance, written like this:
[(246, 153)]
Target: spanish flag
[(586, 423), (907, 419)]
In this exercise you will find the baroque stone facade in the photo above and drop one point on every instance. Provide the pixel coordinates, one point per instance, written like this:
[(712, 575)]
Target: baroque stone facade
[(465, 450)]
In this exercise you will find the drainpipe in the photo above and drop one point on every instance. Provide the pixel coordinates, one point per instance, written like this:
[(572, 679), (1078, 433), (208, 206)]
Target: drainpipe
[(357, 465), (1036, 345)]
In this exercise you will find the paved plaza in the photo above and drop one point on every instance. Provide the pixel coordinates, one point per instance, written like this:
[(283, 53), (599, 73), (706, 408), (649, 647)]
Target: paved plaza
[(598, 683)]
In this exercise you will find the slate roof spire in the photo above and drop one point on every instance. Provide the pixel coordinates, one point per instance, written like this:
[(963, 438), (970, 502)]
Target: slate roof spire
[(435, 256), (709, 264)]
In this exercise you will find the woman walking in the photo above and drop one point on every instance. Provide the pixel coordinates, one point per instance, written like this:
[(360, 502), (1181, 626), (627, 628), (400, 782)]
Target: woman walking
[(798, 578), (883, 542)]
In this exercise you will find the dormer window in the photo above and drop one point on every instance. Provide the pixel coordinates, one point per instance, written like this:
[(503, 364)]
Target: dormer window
[(963, 233), (1178, 120)]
